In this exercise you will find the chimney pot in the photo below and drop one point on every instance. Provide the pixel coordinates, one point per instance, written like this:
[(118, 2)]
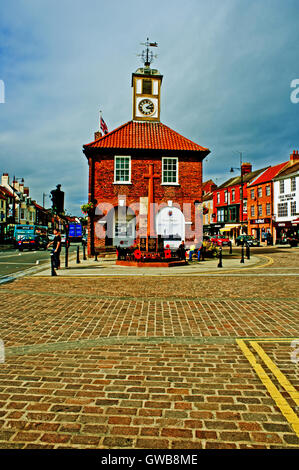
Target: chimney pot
[(97, 135)]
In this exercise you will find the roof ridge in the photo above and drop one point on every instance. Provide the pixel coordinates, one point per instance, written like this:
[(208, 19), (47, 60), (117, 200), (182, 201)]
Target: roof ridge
[(145, 135)]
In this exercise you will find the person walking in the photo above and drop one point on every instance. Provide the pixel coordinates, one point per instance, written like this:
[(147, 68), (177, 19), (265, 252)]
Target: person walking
[(56, 248), (181, 252)]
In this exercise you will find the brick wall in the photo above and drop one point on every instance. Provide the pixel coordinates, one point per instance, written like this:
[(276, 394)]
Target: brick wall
[(189, 189)]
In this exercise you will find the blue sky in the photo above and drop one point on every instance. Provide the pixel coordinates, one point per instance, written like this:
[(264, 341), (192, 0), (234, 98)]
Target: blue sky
[(227, 70)]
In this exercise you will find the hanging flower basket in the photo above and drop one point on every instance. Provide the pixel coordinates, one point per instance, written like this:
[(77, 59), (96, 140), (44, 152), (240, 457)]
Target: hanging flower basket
[(88, 208)]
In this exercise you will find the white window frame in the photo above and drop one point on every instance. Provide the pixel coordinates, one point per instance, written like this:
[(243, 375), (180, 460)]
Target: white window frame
[(172, 183), (293, 183), (293, 208), (260, 192), (122, 182), (268, 190)]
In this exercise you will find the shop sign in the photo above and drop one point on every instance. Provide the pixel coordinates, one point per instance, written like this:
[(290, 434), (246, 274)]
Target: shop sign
[(260, 221), (286, 197)]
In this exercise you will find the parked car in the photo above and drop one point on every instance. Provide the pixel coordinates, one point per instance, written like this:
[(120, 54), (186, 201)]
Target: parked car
[(42, 242), (28, 242), (33, 242), (220, 240), (247, 239)]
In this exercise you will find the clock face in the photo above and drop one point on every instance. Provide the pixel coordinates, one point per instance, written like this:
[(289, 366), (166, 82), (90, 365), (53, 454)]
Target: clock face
[(146, 107)]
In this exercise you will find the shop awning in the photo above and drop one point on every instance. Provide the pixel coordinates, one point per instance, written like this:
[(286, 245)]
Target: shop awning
[(229, 227)]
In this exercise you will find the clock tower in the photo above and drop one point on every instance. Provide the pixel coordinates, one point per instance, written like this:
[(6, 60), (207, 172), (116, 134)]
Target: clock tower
[(146, 83)]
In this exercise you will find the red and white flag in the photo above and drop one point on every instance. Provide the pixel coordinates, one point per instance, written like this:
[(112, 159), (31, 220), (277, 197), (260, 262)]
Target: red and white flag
[(103, 126)]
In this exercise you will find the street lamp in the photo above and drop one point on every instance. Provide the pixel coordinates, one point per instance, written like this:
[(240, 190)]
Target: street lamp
[(241, 198), (15, 179)]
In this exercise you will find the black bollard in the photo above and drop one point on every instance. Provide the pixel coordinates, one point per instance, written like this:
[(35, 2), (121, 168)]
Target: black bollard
[(247, 251), (95, 256), (66, 259), (230, 248), (53, 272), (202, 253), (220, 258), (242, 254), (78, 260)]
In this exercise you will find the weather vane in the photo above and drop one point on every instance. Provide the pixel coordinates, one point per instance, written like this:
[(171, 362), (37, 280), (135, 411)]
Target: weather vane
[(147, 55)]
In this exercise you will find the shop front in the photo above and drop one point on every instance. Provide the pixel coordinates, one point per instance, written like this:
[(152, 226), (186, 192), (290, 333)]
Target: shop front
[(260, 229), (232, 231), (214, 229), (286, 229)]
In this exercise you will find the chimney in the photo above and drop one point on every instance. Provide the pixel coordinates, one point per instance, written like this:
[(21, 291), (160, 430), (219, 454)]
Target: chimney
[(16, 185), (294, 157), (26, 191), (5, 179), (97, 135), (246, 168)]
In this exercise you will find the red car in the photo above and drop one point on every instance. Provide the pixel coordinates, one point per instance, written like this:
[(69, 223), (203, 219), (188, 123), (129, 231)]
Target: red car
[(220, 240)]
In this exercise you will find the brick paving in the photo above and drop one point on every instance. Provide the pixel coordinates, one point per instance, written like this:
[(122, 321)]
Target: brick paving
[(146, 362)]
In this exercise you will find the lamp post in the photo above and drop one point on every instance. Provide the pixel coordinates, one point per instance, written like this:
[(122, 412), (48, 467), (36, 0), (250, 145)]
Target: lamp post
[(241, 192)]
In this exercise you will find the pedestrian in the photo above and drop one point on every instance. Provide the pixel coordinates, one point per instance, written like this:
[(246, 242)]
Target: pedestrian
[(181, 252), (192, 250), (56, 248)]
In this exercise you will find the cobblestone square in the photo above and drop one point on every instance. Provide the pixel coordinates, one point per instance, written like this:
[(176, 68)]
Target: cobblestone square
[(167, 362)]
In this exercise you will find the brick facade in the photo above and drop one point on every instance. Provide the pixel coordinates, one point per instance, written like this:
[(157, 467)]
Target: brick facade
[(103, 190)]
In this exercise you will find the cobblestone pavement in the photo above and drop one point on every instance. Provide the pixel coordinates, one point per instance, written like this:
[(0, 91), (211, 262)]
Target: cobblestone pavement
[(152, 362)]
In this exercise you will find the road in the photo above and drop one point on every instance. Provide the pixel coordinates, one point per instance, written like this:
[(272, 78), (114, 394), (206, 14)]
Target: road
[(13, 261)]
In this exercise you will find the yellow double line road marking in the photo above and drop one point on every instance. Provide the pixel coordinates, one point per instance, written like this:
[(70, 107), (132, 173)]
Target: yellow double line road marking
[(280, 401)]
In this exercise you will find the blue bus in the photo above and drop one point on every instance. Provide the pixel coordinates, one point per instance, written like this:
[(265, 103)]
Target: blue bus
[(22, 230)]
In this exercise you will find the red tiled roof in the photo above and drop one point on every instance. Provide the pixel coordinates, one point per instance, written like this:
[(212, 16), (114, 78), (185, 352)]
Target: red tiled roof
[(269, 174), (145, 135), (6, 191), (39, 207)]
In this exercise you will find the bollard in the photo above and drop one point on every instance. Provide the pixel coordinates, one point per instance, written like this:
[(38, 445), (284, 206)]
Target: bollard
[(84, 254), (66, 258), (96, 256), (247, 251), (231, 248), (220, 258), (242, 254), (53, 272), (78, 260), (202, 253)]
